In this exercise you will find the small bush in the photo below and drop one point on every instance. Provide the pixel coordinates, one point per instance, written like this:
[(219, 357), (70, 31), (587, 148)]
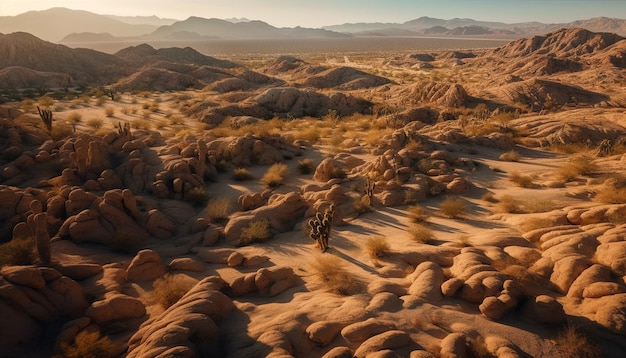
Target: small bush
[(75, 118), (361, 206), (489, 197), (520, 180), (258, 230), (338, 173), (539, 206), (576, 166), (95, 123), (45, 101), (331, 272), (417, 213), (89, 344), (275, 175), (171, 288), (306, 166), (219, 209), (377, 246), (535, 223), (510, 156), (242, 174), (60, 131), (17, 252), (572, 342), (421, 233), (509, 204), (452, 207), (109, 112)]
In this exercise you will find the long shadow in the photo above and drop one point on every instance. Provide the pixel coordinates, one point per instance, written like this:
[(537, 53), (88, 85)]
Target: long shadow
[(352, 260)]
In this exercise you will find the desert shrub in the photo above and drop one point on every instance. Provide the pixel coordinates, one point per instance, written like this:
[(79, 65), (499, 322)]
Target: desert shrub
[(28, 105), (332, 274), (109, 112), (17, 252), (361, 206), (219, 209), (535, 223), (452, 207), (510, 156), (146, 114), (338, 173), (242, 174), (60, 131), (572, 342), (176, 120), (196, 197), (508, 204), (258, 230), (414, 145), (539, 206), (125, 110), (45, 101), (306, 166), (524, 181), (311, 135), (421, 233), (160, 124), (75, 118), (89, 344), (578, 165), (95, 123), (417, 213), (100, 101), (170, 288), (377, 246), (142, 124), (275, 175)]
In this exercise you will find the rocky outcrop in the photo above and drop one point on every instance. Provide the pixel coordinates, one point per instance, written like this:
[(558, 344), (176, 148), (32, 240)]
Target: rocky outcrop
[(346, 78), (192, 319)]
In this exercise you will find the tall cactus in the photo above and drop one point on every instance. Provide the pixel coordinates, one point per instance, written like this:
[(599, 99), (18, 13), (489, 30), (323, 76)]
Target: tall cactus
[(46, 118), (319, 228)]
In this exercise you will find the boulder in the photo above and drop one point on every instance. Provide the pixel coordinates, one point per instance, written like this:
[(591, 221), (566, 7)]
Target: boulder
[(361, 331), (323, 332), (116, 307), (147, 265), (387, 340)]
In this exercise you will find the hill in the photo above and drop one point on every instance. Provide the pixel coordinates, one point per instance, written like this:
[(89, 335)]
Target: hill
[(56, 23)]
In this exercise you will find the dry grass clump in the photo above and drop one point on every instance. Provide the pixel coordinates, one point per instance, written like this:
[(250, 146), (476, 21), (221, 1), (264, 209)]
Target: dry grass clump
[(89, 344), (510, 156), (523, 181), (332, 274), (109, 112), (535, 223), (377, 247), (197, 197), (421, 233), (417, 213), (452, 207), (60, 131), (275, 175), (74, 118), (95, 123), (361, 206), (489, 197), (258, 230), (218, 210), (539, 206), (571, 342), (17, 252), (612, 191), (576, 166), (170, 288), (311, 135), (242, 174), (508, 204), (306, 166)]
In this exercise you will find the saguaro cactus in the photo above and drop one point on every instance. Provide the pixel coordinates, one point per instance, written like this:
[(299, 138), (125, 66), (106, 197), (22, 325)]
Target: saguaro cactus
[(319, 228), (46, 118)]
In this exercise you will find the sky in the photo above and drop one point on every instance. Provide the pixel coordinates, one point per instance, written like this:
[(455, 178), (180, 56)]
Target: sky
[(318, 13)]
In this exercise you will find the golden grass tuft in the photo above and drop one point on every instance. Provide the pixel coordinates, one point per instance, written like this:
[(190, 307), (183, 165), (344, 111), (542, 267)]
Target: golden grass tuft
[(218, 210), (510, 156), (170, 288), (17, 252), (332, 274), (242, 174), (417, 213), (258, 230), (109, 112), (508, 204), (452, 207), (572, 342), (377, 247), (523, 181), (535, 223), (275, 175), (95, 123), (612, 191), (576, 166), (306, 166), (89, 344), (421, 233)]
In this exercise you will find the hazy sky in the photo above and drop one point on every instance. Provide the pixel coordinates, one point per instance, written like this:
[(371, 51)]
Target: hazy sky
[(317, 13)]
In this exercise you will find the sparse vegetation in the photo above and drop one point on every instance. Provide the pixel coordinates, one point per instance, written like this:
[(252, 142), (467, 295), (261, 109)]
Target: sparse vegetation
[(19, 251), (361, 206), (306, 166), (219, 209), (452, 207), (89, 344), (258, 230), (572, 342), (95, 123), (576, 166), (535, 223), (524, 181), (197, 196), (421, 233), (377, 246), (417, 213), (275, 175), (242, 174), (333, 275), (171, 288), (510, 156)]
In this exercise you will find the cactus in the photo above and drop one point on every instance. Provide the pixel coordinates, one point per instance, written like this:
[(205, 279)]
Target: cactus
[(124, 131), (319, 228), (46, 118)]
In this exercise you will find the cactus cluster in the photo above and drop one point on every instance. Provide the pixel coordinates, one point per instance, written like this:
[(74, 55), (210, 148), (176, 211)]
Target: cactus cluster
[(46, 118), (319, 228)]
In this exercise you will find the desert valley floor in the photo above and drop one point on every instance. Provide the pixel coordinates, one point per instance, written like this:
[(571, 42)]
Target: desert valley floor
[(473, 201)]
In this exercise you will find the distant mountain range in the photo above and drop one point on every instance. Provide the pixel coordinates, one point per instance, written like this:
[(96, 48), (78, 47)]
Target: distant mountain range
[(76, 26)]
